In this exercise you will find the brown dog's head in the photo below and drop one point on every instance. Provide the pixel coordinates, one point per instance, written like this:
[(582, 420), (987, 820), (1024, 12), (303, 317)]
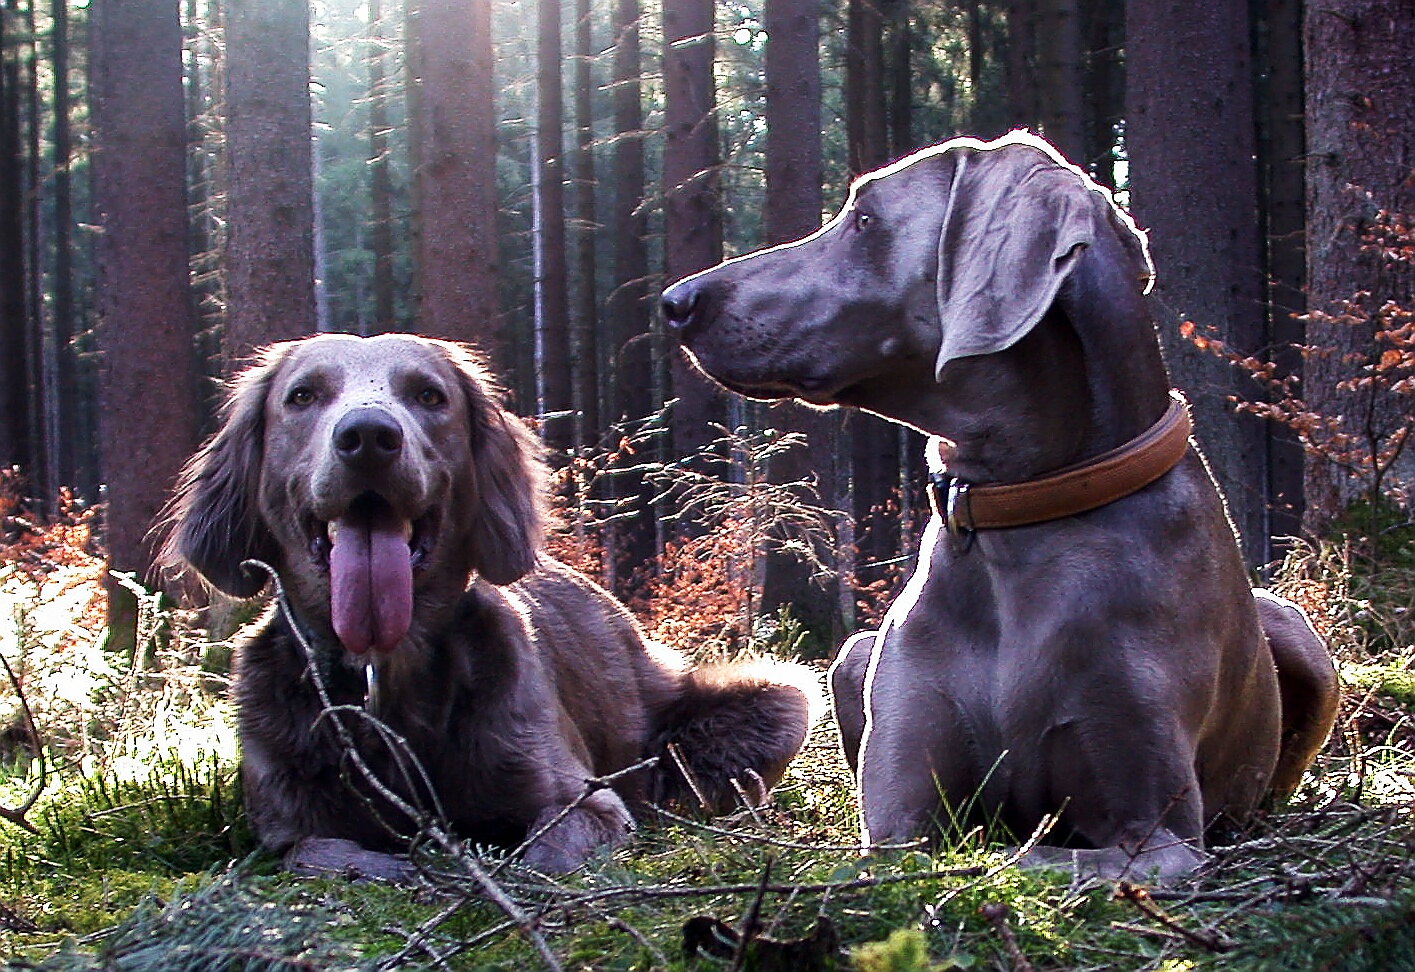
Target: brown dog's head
[(955, 251), (374, 473)]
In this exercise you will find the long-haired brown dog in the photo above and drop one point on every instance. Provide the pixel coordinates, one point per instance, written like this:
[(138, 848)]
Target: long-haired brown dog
[(403, 508)]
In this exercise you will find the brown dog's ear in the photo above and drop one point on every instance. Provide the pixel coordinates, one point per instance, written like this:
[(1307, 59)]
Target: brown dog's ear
[(211, 523), (1016, 219), (509, 521)]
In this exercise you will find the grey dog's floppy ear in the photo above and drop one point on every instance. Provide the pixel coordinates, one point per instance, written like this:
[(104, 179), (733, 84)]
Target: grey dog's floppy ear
[(211, 522), (508, 524), (1016, 219)]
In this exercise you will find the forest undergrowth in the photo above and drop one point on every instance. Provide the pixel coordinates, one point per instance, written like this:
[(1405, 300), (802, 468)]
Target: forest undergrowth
[(123, 843)]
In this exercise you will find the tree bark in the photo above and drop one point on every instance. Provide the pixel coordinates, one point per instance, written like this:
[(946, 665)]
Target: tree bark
[(553, 302), (1062, 114), (584, 344), (1360, 100), (692, 215), (867, 138), (147, 400), (793, 209), (269, 192), (1190, 83), (453, 122), (69, 403), (380, 181), (16, 444), (1282, 164)]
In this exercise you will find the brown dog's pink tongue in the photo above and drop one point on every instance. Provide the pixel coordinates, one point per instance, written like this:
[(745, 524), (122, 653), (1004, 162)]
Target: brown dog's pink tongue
[(371, 581)]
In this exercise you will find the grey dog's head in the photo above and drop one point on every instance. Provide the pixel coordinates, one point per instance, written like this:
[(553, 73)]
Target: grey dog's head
[(370, 472), (955, 251)]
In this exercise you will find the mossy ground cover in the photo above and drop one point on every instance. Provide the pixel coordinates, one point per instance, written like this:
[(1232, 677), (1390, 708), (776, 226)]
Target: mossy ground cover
[(140, 859)]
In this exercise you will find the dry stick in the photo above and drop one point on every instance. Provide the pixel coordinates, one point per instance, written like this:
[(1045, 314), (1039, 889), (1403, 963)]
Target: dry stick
[(440, 836), (16, 815), (996, 913), (751, 921), (1210, 940), (619, 924), (420, 935), (682, 765)]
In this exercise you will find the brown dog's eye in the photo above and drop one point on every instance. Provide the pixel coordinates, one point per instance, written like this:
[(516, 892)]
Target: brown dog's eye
[(431, 397), (300, 396)]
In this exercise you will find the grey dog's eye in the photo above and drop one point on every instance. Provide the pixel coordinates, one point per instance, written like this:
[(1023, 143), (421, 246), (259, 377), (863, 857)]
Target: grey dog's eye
[(862, 220), (431, 397), (300, 396)]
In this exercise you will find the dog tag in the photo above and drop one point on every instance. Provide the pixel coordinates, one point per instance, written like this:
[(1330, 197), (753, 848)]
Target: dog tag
[(370, 689)]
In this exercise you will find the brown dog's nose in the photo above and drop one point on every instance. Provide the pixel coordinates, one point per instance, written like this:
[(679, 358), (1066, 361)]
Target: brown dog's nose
[(368, 439), (678, 303)]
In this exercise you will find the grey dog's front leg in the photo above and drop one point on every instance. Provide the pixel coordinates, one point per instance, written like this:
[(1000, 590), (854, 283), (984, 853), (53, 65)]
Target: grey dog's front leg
[(847, 693)]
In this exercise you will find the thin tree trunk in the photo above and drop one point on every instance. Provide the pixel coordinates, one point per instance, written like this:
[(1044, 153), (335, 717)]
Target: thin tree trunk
[(269, 193), (1062, 102), (144, 308), (1202, 211), (793, 208), (1283, 171), (62, 285), (901, 81), (1022, 87), (553, 304), (453, 127), (1104, 25), (380, 182), (584, 349), (1360, 111), (44, 371), (871, 442), (630, 381), (867, 139), (16, 444), (692, 215)]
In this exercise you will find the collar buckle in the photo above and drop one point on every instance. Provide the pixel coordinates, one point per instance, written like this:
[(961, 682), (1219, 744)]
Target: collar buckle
[(948, 495)]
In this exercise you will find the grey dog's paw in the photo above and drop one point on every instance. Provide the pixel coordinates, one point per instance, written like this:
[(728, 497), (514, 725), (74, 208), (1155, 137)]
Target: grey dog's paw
[(335, 857), (602, 822)]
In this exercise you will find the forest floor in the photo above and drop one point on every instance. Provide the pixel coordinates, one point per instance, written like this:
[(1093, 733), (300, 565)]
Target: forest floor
[(134, 854)]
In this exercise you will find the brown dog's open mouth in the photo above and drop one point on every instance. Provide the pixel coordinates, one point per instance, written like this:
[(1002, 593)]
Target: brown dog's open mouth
[(371, 552)]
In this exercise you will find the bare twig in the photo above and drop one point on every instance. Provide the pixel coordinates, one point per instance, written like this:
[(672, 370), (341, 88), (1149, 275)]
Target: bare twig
[(996, 913), (1210, 940), (16, 815)]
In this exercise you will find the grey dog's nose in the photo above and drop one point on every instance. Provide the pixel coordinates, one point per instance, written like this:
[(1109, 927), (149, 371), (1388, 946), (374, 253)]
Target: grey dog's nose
[(679, 302), (368, 439)]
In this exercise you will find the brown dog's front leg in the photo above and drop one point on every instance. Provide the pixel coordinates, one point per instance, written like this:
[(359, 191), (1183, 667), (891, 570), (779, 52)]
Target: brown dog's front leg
[(600, 821)]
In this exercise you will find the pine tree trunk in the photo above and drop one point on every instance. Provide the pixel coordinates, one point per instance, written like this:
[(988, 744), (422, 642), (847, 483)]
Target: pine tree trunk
[(380, 182), (1283, 172), (66, 337), (1059, 52), (269, 193), (1023, 92), (147, 396), (1202, 211), (867, 139), (871, 442), (1104, 27), (553, 303), (1360, 99), (453, 131), (16, 444), (793, 209), (692, 217), (584, 343), (629, 542)]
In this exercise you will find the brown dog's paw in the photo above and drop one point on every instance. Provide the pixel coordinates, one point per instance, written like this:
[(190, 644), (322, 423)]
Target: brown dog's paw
[(579, 834), (335, 857)]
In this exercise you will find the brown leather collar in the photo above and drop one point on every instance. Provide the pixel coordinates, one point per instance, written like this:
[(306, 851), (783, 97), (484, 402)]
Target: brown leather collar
[(1069, 491)]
